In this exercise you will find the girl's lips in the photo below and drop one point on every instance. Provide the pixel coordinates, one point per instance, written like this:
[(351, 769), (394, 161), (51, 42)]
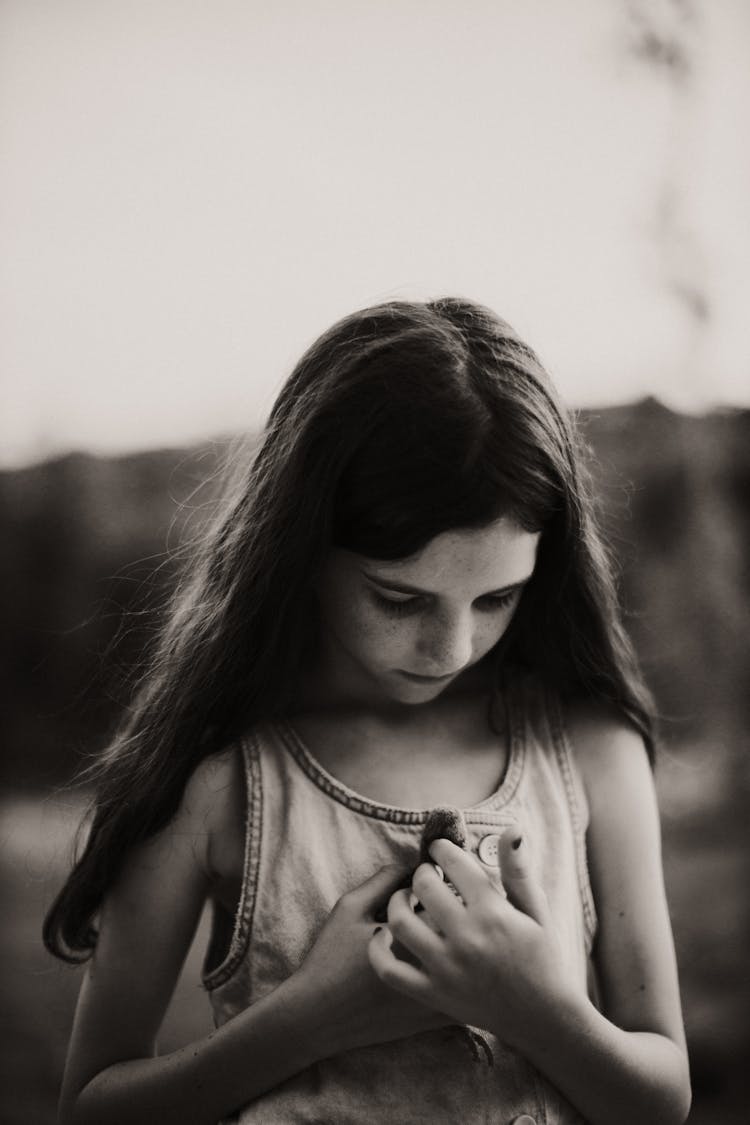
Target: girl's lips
[(426, 679)]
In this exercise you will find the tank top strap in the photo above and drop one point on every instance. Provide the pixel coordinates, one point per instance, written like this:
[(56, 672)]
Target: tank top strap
[(546, 734), (249, 752)]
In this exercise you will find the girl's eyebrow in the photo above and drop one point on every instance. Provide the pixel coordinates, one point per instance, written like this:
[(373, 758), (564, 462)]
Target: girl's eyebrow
[(403, 588)]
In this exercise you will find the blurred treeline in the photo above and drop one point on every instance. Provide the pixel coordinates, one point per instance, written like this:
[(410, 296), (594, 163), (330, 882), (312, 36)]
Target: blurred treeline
[(90, 547)]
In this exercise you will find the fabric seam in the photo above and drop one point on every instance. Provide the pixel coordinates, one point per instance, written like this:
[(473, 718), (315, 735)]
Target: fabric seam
[(341, 793), (251, 863), (564, 755)]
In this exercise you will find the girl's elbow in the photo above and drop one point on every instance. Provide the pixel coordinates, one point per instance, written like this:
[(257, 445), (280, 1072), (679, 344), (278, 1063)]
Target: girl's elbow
[(667, 1106), (676, 1097), (665, 1097), (683, 1098), (673, 1108)]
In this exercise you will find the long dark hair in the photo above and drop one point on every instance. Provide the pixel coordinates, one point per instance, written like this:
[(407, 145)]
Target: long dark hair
[(401, 422)]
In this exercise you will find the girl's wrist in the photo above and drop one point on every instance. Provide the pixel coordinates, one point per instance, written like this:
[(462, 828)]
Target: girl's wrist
[(304, 1018), (325, 1027), (542, 1033)]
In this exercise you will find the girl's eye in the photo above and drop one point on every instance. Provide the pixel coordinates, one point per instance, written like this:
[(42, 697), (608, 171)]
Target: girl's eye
[(404, 607), (498, 601)]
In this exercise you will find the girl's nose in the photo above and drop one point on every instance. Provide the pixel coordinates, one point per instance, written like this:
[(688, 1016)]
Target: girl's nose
[(447, 643)]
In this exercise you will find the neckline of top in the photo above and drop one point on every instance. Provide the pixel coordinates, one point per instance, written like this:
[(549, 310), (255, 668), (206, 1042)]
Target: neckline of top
[(357, 802)]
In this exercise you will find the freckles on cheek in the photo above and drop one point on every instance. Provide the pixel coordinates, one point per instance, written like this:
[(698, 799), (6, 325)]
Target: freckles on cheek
[(378, 634)]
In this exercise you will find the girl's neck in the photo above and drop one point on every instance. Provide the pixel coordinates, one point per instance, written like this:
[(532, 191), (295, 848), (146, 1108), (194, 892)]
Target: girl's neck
[(450, 750)]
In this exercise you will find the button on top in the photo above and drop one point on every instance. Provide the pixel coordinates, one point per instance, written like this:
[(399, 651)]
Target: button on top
[(524, 1119), (488, 851)]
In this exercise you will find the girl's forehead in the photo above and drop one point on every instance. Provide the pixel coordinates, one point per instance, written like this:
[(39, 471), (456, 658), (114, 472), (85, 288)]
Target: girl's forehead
[(496, 555)]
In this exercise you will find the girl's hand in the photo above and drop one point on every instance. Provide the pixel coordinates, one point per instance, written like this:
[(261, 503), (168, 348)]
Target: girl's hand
[(487, 961), (352, 1006)]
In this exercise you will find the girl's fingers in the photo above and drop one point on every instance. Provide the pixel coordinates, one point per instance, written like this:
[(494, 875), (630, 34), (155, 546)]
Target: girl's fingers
[(411, 931), (444, 908), (522, 887), (397, 974), (461, 869)]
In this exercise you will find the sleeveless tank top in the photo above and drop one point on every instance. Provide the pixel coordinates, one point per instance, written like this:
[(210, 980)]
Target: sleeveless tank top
[(309, 839)]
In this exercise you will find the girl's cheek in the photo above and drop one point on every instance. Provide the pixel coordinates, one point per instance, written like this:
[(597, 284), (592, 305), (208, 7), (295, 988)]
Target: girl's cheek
[(375, 629), (393, 640)]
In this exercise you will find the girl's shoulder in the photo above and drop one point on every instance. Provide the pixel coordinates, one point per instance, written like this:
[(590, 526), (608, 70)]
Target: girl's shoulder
[(610, 755), (594, 724), (213, 809)]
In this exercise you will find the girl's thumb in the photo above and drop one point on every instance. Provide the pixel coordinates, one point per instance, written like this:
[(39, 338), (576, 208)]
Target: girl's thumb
[(521, 885)]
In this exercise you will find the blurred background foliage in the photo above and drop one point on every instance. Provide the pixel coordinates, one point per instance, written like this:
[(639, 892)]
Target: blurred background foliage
[(90, 548)]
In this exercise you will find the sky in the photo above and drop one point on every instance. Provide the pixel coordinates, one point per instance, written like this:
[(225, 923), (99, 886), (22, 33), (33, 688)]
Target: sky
[(191, 192)]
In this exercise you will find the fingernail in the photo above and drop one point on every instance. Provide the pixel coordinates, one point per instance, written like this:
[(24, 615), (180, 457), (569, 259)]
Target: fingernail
[(517, 843), (413, 901)]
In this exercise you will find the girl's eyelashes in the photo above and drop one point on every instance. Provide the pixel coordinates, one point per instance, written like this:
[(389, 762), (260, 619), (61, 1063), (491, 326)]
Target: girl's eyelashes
[(499, 601), (404, 607), (407, 607)]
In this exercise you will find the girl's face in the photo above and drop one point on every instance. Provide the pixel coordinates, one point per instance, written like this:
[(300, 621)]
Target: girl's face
[(403, 631)]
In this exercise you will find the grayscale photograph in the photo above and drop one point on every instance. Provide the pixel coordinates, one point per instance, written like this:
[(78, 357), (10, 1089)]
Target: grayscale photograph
[(374, 530)]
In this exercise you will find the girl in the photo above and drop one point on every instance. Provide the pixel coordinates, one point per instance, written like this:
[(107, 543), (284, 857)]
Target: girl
[(405, 605)]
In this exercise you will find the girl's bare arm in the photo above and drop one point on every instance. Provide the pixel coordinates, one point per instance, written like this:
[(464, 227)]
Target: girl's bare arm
[(112, 1074), (627, 1062)]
